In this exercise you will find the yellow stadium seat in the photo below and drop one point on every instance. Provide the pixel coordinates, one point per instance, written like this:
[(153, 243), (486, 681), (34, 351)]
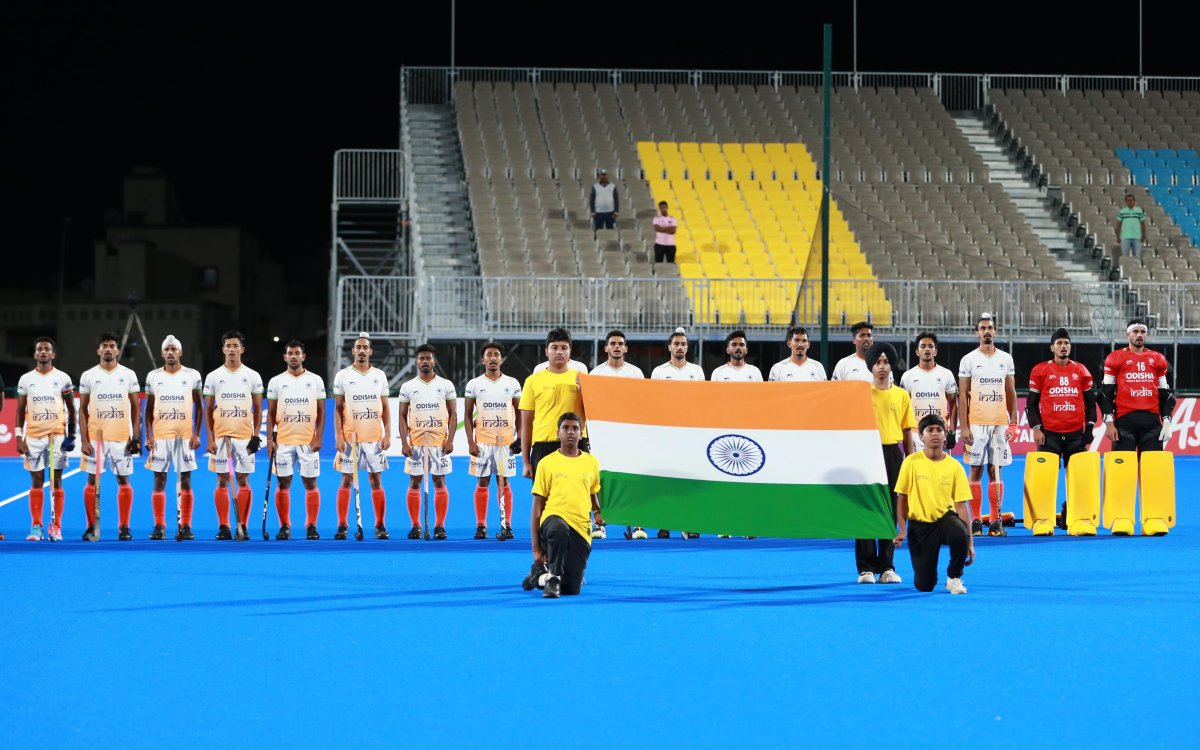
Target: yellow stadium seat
[(710, 149), (731, 149), (675, 170), (687, 148), (691, 270)]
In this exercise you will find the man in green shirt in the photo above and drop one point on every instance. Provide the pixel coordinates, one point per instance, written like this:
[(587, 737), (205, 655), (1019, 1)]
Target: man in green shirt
[(1131, 228)]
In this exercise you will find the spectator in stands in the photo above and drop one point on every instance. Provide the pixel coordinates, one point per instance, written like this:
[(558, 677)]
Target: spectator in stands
[(664, 235), (1131, 228), (604, 203)]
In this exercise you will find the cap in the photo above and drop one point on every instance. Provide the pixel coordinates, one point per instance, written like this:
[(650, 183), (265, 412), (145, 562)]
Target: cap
[(882, 348), (602, 171), (363, 335), (1061, 333), (170, 340)]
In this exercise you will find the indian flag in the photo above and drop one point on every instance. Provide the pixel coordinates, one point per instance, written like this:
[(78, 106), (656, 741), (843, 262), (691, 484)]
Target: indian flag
[(751, 459)]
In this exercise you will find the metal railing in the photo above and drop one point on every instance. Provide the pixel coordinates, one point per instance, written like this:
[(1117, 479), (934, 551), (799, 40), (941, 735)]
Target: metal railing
[(367, 175)]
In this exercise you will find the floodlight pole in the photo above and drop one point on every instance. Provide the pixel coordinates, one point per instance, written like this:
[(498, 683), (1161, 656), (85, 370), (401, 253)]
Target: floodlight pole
[(826, 117)]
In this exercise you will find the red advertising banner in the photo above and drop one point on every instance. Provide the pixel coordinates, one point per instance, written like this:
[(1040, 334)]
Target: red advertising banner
[(8, 438)]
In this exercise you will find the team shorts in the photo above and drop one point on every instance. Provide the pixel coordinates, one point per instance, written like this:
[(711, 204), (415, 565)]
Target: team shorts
[(114, 454), (243, 460), (172, 452), (289, 456), (990, 446), (370, 457), (493, 460), (37, 453), (439, 462)]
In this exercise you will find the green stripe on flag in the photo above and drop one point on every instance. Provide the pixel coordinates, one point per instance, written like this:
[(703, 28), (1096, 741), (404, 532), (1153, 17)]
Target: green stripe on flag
[(803, 511)]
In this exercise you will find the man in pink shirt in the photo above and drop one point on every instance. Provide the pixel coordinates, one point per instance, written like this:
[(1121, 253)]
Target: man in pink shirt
[(664, 235)]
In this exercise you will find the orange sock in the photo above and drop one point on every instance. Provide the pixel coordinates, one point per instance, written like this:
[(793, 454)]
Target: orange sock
[(37, 499), (60, 500), (995, 498), (221, 499), (158, 503), (186, 503), (283, 507), (343, 505), (243, 500), (312, 507), (441, 504), (481, 504), (508, 503), (379, 500), (976, 499), (124, 503), (89, 503), (414, 505)]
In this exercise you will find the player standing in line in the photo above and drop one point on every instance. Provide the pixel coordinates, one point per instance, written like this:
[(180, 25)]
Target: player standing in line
[(361, 419), (987, 415), (174, 410), (295, 424), (616, 346), (45, 413), (854, 366), (1135, 398), (799, 367), (736, 369), (1061, 406), (894, 416), (428, 418), (489, 422), (932, 388), (233, 395), (110, 420), (677, 368)]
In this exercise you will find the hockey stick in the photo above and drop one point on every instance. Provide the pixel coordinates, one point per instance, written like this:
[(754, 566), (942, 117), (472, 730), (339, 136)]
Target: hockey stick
[(425, 487), (95, 537), (267, 493), (357, 496), (51, 438)]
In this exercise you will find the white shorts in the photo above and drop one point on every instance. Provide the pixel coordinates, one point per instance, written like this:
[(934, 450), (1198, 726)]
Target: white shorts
[(172, 452), (289, 456), (113, 453), (989, 446), (243, 460), (493, 459), (370, 457), (37, 453), (439, 462)]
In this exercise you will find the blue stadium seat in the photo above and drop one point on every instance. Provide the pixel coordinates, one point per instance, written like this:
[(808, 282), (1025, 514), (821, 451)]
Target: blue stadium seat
[(1126, 155), (1146, 154), (1187, 153), (1142, 176)]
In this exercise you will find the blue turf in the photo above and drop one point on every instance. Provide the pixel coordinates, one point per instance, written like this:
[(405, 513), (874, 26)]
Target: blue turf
[(1060, 641)]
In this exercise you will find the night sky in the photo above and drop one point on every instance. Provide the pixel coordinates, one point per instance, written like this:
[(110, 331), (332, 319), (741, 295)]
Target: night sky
[(244, 108)]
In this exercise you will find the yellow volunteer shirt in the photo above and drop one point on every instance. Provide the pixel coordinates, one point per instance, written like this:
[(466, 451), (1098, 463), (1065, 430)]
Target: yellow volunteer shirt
[(568, 485), (549, 395), (893, 413), (933, 487)]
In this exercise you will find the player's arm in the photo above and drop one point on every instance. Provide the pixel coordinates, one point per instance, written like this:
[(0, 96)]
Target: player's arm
[(134, 446), (964, 410), (318, 426), (596, 509), (902, 518), (272, 411), (535, 527), (69, 402), (1089, 412), (526, 441), (1010, 398), (257, 410), (150, 422), (1108, 404), (1033, 412), (469, 425), (339, 404), (86, 446), (451, 424), (386, 414), (402, 426), (19, 430), (951, 417), (197, 416), (908, 441), (210, 408)]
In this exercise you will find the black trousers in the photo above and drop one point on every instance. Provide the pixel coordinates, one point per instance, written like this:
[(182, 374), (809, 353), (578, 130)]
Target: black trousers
[(1065, 444), (924, 544), (566, 553), (1138, 431), (538, 451), (605, 220), (875, 555), (664, 252)]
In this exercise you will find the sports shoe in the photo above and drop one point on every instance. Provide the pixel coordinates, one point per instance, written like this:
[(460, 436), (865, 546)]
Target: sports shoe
[(977, 527), (664, 534), (689, 535), (35, 533), (123, 534), (54, 532), (553, 588), (415, 531), (342, 531), (505, 534), (381, 532), (1061, 518), (439, 532), (599, 531), (481, 532), (536, 571), (241, 534), (955, 586), (224, 534), (310, 532), (724, 536), (159, 532), (996, 528), (866, 577), (889, 576), (639, 532), (285, 534), (184, 534)]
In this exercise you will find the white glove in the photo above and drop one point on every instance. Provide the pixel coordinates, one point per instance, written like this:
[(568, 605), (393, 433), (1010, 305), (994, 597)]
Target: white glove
[(1165, 434)]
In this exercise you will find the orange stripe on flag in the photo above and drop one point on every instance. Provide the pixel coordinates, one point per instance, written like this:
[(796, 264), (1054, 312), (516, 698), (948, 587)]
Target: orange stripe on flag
[(765, 406)]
